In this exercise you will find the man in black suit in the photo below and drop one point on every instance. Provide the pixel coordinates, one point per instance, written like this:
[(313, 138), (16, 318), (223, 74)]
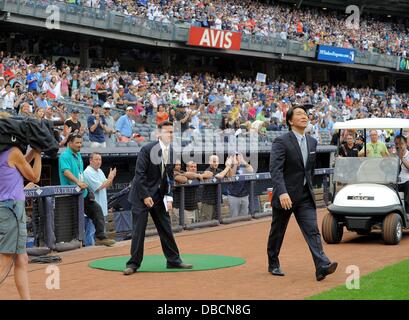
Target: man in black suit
[(292, 162), (151, 192)]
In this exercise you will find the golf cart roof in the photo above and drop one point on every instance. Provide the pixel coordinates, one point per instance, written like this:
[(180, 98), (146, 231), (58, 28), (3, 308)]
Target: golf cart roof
[(373, 123)]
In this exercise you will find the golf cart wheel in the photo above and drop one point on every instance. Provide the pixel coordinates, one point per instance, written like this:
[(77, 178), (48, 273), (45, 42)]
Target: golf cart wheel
[(392, 229), (331, 231)]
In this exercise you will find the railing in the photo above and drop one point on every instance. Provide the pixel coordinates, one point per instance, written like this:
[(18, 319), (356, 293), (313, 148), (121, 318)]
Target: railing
[(117, 22), (259, 187), (252, 179)]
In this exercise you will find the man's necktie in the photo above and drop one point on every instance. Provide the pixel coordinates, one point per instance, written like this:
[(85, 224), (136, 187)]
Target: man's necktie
[(304, 151), (165, 156)]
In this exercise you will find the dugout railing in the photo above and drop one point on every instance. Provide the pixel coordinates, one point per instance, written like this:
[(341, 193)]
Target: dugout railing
[(259, 184)]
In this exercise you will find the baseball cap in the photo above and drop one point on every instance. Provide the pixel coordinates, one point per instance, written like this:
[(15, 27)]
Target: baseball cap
[(75, 110), (129, 108), (106, 105)]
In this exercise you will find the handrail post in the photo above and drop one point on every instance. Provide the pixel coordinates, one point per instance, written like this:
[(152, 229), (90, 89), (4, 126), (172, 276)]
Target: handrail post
[(251, 198), (182, 206), (219, 202)]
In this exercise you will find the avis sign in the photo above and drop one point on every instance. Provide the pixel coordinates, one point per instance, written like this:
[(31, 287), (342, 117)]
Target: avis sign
[(213, 38)]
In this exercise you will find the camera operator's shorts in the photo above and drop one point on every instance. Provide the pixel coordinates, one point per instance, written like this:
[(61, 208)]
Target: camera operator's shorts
[(13, 229)]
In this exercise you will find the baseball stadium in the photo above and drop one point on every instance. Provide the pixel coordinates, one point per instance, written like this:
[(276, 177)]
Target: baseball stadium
[(204, 150)]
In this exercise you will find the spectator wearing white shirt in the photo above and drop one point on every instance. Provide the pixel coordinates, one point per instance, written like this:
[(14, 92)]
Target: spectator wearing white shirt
[(96, 180), (8, 97)]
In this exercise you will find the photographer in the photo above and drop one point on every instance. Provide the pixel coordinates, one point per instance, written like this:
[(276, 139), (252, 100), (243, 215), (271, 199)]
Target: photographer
[(14, 168), (401, 145), (238, 192)]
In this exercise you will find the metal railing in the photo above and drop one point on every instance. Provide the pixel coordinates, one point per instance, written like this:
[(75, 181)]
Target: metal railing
[(118, 22), (252, 179)]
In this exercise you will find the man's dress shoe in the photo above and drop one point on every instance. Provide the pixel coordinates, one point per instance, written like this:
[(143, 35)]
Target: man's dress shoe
[(322, 272), (276, 272), (179, 266)]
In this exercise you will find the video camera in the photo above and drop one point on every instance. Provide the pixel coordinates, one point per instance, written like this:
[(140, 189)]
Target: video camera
[(22, 132)]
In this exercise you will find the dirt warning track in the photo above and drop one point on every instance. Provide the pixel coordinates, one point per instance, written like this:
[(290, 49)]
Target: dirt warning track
[(247, 240)]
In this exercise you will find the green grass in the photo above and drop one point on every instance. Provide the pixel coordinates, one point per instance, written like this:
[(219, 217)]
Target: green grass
[(390, 283)]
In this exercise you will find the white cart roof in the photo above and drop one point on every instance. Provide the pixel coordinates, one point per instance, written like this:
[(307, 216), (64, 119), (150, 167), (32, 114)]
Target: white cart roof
[(373, 123)]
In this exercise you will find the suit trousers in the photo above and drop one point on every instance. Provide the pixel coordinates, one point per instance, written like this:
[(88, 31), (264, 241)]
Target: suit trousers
[(163, 224), (306, 216)]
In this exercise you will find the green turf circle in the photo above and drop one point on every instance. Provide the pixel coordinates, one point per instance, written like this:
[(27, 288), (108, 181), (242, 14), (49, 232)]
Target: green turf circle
[(157, 263)]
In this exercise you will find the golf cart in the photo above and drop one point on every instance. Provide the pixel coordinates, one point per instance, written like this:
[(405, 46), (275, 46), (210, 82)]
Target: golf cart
[(369, 195)]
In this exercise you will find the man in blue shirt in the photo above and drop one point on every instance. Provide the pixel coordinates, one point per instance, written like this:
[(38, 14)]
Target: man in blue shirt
[(32, 80), (124, 126), (41, 101), (97, 126), (71, 172)]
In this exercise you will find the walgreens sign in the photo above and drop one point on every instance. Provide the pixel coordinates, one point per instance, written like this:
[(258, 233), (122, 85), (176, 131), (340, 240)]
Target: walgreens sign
[(212, 38)]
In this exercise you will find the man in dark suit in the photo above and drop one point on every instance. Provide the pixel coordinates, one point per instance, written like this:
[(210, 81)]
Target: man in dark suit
[(151, 192), (292, 162)]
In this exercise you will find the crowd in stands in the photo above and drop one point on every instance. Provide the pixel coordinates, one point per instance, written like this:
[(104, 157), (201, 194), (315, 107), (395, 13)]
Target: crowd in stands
[(260, 19), (120, 100)]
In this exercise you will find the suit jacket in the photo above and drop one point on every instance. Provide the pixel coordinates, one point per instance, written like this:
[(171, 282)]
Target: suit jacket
[(148, 180), (287, 168)]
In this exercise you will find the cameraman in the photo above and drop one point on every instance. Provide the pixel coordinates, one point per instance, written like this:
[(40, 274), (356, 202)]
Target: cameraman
[(14, 168)]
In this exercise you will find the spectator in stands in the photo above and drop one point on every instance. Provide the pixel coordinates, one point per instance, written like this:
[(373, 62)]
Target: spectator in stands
[(39, 114), (41, 101), (238, 192), (374, 148), (110, 124), (14, 168), (274, 125), (209, 198), (98, 183), (25, 110), (101, 90), (55, 113), (97, 127), (71, 172), (32, 79), (161, 115), (74, 84), (349, 148), (73, 124), (124, 126), (8, 96), (182, 118)]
